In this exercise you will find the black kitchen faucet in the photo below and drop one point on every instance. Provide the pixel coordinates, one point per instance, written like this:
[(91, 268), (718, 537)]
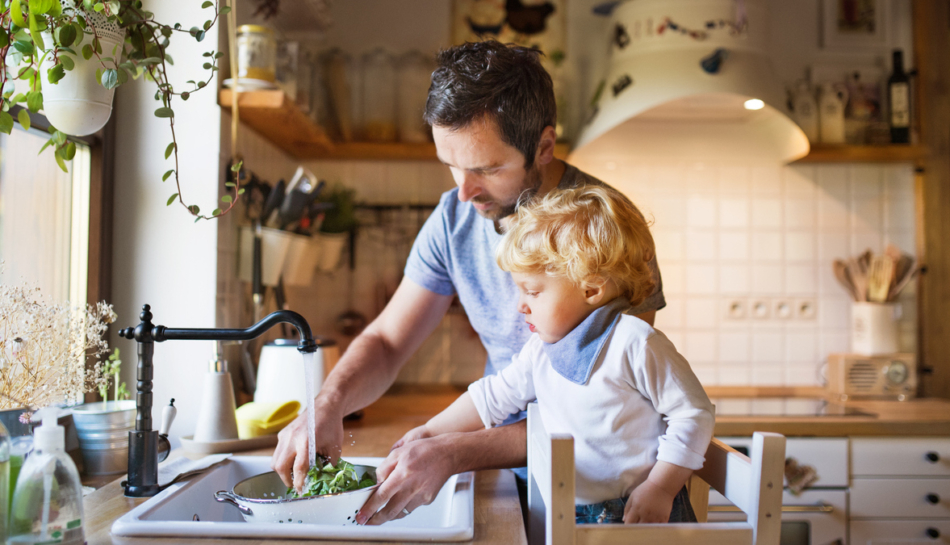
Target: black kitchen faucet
[(143, 441)]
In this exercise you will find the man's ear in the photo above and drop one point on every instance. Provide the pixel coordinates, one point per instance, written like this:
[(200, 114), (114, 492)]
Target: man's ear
[(595, 291), (545, 152)]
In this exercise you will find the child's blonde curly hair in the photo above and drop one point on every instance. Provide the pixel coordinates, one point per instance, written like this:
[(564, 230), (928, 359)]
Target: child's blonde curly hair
[(589, 235)]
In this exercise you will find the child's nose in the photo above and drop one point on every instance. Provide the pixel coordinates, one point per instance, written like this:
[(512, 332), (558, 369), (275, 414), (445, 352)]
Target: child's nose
[(523, 307)]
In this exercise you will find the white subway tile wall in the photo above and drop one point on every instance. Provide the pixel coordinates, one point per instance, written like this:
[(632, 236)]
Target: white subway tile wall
[(743, 246), (759, 238)]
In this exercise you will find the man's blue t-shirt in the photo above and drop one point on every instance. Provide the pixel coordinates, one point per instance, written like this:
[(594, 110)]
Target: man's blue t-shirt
[(455, 254)]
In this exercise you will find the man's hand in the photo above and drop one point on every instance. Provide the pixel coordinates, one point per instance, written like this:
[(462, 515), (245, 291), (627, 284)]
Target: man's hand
[(292, 457), (648, 503), (411, 475), (422, 432)]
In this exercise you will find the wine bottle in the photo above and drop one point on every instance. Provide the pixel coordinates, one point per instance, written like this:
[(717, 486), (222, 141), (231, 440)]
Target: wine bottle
[(898, 94)]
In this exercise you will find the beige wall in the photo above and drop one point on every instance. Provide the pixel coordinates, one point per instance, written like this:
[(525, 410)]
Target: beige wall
[(160, 255)]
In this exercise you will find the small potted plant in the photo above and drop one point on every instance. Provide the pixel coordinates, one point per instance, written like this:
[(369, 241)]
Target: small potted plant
[(338, 225), (103, 427), (71, 55)]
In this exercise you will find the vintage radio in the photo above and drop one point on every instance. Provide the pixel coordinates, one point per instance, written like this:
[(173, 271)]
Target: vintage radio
[(888, 376)]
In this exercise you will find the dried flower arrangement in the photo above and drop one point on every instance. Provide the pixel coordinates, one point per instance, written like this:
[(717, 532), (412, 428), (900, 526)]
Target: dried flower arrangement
[(44, 348)]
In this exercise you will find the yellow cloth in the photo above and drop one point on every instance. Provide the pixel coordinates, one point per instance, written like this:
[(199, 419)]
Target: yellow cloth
[(257, 419)]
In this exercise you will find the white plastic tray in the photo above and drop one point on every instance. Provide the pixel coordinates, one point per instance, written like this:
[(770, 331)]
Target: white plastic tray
[(173, 512)]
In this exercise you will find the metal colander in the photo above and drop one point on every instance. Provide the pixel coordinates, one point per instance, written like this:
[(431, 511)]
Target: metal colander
[(263, 498)]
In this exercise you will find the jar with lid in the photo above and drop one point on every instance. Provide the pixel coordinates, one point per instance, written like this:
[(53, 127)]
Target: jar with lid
[(379, 96), (413, 79), (257, 53), (338, 78)]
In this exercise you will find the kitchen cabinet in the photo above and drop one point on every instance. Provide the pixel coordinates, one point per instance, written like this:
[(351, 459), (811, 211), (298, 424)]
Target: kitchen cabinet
[(900, 489), (818, 515)]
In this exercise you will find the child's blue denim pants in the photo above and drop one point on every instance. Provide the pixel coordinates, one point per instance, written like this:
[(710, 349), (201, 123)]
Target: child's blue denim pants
[(611, 511)]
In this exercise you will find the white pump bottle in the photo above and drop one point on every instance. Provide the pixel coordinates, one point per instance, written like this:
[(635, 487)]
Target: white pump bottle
[(47, 503)]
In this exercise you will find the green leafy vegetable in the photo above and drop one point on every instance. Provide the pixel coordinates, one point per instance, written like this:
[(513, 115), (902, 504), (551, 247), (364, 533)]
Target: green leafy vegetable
[(331, 479)]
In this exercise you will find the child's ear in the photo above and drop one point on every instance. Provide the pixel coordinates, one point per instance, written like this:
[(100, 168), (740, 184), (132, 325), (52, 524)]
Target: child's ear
[(595, 291)]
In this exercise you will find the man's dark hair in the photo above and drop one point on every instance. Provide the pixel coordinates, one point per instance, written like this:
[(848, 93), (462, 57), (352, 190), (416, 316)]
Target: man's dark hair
[(504, 82)]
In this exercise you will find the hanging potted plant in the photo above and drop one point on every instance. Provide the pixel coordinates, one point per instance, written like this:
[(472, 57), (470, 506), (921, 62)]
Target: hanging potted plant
[(72, 57)]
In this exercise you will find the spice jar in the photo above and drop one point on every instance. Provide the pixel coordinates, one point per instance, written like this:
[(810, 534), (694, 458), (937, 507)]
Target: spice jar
[(415, 74), (379, 97), (257, 53)]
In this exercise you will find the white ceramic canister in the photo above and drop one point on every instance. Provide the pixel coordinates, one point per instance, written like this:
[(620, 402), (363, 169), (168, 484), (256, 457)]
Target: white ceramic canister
[(874, 328)]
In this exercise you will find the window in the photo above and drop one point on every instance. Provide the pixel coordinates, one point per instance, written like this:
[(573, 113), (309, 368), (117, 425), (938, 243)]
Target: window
[(44, 217)]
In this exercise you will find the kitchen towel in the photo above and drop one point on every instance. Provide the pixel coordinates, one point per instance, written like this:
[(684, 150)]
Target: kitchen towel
[(172, 471)]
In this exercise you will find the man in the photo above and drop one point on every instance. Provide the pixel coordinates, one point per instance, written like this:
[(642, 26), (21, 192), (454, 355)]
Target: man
[(492, 112)]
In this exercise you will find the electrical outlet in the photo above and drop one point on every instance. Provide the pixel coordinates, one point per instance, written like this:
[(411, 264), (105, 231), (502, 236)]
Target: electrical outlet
[(783, 309), (736, 309), (759, 309), (806, 309)]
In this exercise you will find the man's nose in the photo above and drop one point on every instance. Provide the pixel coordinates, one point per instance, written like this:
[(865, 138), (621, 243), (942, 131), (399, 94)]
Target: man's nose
[(468, 187)]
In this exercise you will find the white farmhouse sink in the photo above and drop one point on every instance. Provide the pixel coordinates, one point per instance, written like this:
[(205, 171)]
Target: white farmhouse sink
[(188, 509)]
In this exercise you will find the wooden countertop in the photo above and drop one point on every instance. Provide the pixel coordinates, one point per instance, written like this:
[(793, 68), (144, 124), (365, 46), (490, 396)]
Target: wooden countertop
[(919, 417), (497, 510)]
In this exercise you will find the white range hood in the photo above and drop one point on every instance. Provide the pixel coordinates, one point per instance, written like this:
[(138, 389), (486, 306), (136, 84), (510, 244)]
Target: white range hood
[(690, 79)]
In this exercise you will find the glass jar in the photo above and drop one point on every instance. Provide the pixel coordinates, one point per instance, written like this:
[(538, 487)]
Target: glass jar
[(379, 96), (257, 53), (414, 77)]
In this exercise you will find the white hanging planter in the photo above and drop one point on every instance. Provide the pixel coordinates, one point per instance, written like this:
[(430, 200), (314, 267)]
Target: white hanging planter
[(78, 104)]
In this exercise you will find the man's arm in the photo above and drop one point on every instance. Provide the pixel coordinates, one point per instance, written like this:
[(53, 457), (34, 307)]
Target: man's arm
[(362, 375), (414, 473)]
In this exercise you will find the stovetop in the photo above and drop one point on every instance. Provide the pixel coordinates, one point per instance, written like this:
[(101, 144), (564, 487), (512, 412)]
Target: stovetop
[(782, 406)]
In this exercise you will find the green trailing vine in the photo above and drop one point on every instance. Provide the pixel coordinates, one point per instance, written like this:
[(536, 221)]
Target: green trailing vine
[(23, 49)]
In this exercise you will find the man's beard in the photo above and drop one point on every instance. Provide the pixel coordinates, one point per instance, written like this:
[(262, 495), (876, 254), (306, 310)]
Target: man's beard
[(529, 188)]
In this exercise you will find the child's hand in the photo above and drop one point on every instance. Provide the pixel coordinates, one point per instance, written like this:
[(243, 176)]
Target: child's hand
[(422, 432), (648, 503)]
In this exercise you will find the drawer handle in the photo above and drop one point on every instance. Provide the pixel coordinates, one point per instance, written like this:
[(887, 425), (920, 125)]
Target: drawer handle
[(932, 499), (932, 457), (933, 533), (819, 507)]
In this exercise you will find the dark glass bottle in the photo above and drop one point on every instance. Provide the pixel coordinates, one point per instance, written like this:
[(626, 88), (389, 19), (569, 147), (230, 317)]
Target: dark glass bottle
[(898, 95)]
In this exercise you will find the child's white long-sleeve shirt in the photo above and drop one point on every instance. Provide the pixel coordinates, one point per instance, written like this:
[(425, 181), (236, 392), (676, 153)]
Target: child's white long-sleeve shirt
[(640, 403)]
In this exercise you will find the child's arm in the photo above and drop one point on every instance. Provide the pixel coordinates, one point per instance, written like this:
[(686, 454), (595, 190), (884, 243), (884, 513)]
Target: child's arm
[(652, 501), (461, 415)]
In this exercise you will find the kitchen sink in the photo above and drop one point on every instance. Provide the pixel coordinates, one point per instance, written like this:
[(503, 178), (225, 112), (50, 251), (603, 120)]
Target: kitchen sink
[(188, 509)]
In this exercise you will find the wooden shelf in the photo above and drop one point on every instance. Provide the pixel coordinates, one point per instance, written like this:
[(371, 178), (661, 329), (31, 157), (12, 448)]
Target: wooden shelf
[(275, 117), (841, 153)]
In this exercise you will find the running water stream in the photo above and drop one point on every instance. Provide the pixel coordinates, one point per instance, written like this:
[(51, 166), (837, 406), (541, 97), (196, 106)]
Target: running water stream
[(308, 371)]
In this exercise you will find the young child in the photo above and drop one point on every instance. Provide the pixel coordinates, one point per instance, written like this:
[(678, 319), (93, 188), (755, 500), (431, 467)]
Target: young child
[(640, 419)]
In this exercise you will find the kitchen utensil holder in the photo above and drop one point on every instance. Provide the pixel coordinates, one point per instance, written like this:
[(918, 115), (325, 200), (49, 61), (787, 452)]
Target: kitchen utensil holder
[(874, 328)]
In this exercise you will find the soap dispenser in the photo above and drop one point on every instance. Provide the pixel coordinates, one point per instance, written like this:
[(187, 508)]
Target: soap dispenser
[(216, 418), (47, 502)]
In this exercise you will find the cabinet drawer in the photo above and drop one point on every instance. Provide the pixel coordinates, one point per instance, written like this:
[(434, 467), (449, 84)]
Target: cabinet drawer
[(829, 457), (900, 498), (920, 456), (881, 532)]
